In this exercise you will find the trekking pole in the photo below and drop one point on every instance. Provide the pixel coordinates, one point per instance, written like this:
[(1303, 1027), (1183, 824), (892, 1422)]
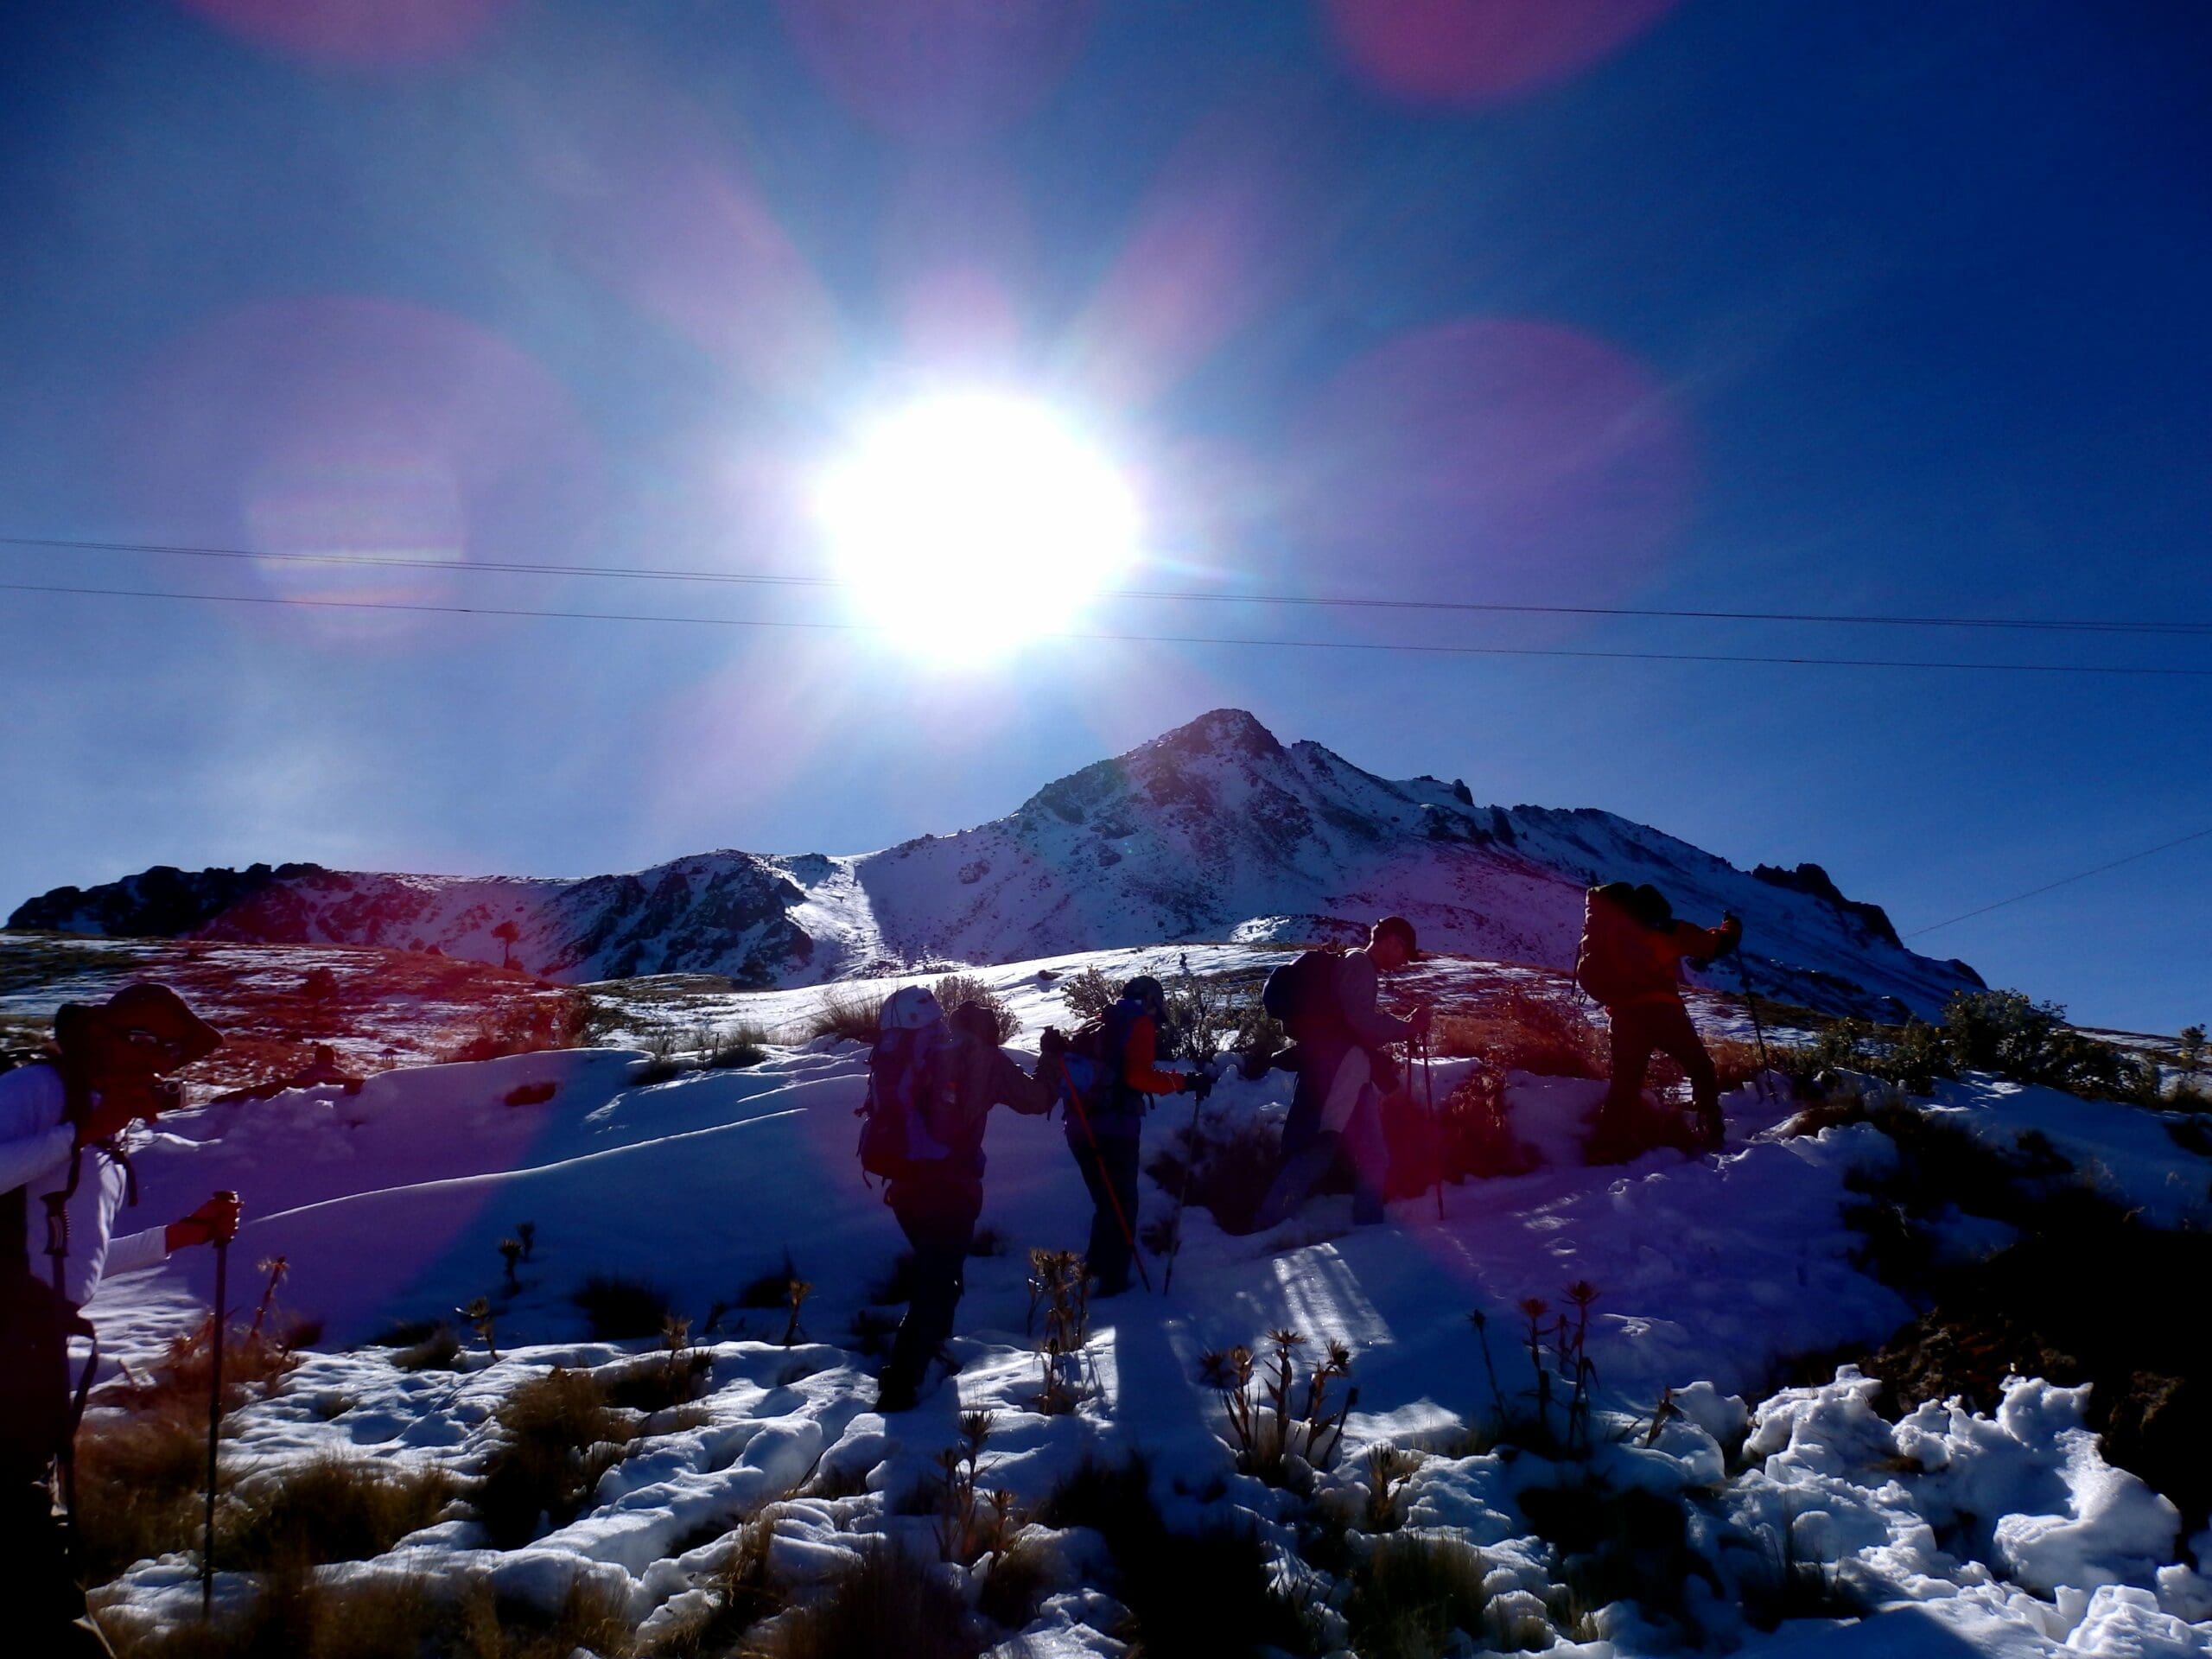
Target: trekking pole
[(214, 1415), (1759, 1029), (1099, 1157), (1436, 1123)]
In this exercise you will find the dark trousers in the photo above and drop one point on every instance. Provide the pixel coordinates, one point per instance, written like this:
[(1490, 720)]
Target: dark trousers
[(38, 1582), (939, 1222), (1643, 1027), (1110, 1170)]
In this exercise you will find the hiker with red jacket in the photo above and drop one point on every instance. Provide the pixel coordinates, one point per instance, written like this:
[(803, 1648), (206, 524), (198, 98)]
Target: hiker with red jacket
[(63, 1176), (1630, 960), (1326, 1001), (952, 1071), (1105, 1124)]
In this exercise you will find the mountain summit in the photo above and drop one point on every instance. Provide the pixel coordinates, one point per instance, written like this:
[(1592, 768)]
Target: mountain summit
[(1216, 830)]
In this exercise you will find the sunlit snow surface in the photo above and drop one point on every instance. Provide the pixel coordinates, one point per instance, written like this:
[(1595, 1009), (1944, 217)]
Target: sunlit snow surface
[(2005, 1535)]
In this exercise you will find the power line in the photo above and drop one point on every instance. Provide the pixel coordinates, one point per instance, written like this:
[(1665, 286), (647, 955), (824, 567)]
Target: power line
[(1118, 638), (651, 573), (2064, 880)]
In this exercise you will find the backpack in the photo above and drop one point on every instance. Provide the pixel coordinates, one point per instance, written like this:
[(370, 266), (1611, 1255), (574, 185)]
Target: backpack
[(897, 1139), (1618, 920), (38, 1411), (1302, 995), (1092, 1095)]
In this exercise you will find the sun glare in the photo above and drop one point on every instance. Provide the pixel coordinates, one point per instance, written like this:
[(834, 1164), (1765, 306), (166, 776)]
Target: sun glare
[(970, 522)]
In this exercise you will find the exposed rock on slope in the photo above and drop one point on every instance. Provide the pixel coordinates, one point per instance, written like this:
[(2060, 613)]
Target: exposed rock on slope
[(1213, 830)]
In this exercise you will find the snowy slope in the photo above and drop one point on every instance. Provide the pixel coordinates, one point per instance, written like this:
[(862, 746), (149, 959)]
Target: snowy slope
[(1215, 831), (2005, 1533)]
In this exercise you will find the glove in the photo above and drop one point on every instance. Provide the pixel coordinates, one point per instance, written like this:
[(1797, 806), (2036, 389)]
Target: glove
[(1731, 933), (1202, 1085), (1054, 1041), (217, 1219)]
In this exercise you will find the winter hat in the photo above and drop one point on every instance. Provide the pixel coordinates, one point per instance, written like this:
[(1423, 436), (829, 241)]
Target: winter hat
[(148, 1008), (1399, 928)]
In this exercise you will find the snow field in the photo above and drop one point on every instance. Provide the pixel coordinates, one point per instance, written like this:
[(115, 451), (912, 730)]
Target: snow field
[(2001, 1534)]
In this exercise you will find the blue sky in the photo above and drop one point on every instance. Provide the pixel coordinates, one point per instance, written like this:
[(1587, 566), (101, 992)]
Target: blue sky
[(1884, 309)]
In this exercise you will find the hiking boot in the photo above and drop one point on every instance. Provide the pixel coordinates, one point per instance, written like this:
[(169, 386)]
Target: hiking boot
[(1712, 1132), (897, 1391), (1612, 1140)]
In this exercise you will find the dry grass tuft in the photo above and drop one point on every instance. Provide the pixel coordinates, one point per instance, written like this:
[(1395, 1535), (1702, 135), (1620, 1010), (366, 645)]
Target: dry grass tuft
[(891, 1603), (557, 1435), (140, 1484), (332, 1507), (852, 1015)]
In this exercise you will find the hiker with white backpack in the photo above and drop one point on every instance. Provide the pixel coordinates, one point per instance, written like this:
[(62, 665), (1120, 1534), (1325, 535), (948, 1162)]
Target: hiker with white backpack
[(933, 1082), (1326, 1001), (64, 1177)]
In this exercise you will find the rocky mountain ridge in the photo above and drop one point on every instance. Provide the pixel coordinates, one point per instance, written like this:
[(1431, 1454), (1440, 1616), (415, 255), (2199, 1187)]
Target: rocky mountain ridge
[(1214, 831)]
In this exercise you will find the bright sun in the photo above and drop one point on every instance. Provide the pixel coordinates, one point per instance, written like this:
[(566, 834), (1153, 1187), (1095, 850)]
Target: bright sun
[(971, 521)]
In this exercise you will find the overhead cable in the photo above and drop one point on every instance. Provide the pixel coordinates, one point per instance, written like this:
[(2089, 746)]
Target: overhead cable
[(1166, 595), (1120, 637)]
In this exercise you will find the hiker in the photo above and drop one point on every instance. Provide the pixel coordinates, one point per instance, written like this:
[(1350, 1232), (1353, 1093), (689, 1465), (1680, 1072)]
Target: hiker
[(1104, 1120), (932, 1085), (61, 1121), (1630, 960), (1340, 1052)]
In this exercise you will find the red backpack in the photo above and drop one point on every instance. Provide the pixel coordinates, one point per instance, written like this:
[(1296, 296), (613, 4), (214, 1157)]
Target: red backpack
[(1613, 960)]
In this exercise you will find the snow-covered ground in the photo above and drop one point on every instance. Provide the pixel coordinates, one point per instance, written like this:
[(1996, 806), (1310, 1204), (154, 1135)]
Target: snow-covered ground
[(2003, 1534)]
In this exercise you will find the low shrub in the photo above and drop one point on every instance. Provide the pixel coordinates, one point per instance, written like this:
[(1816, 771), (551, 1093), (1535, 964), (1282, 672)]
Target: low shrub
[(958, 991), (1522, 1030), (771, 1288), (1189, 1596), (617, 1309), (528, 1025), (1237, 1163), (1088, 994)]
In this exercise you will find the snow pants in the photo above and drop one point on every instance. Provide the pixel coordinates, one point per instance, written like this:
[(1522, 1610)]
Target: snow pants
[(939, 1221), (1641, 1027), (1110, 1171), (1337, 1114), (38, 1582)]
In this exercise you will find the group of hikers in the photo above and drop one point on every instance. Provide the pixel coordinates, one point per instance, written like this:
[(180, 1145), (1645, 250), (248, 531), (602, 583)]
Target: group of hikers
[(933, 1079)]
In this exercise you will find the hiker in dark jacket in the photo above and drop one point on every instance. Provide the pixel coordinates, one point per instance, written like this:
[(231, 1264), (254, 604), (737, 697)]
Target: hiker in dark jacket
[(61, 1122), (938, 1201), (1631, 962), (1104, 1135), (1343, 1068)]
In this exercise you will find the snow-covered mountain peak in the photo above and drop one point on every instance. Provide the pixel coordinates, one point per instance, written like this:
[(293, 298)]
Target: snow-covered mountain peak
[(1214, 831)]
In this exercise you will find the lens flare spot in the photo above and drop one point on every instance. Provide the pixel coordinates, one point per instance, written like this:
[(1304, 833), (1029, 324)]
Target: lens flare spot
[(940, 71), (1469, 53), (1494, 458), (357, 34), (348, 439), (971, 521)]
